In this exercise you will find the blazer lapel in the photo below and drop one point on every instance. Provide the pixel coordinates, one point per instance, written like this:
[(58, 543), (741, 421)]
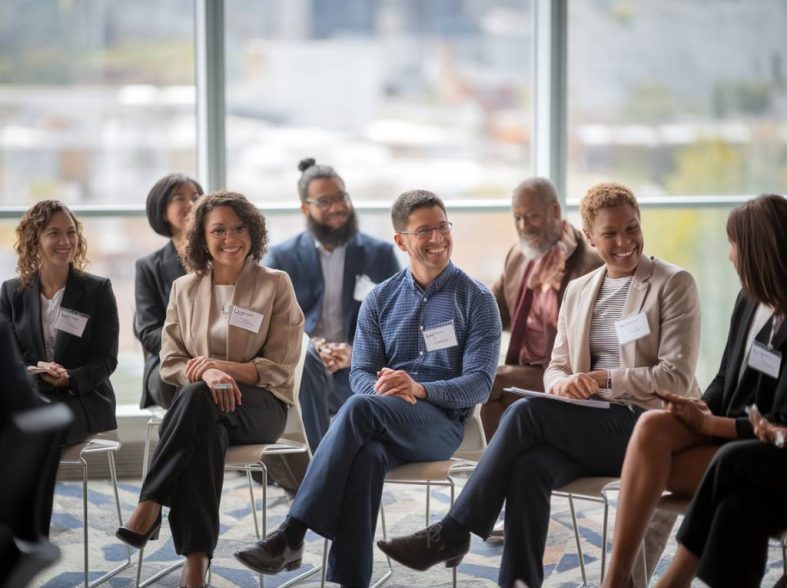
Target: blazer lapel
[(71, 298), (353, 267), (171, 267), (780, 336), (243, 297), (638, 291), (200, 315), (736, 357), (32, 297), (584, 313)]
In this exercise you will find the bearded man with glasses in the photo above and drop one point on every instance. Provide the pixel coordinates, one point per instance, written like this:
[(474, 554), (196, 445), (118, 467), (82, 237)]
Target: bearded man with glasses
[(333, 267)]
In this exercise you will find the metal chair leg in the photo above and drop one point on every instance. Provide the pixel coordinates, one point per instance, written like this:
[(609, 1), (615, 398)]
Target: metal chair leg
[(576, 538), (604, 537), (84, 520)]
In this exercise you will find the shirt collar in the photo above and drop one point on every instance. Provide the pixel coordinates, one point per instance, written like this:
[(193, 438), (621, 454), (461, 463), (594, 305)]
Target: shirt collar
[(437, 284)]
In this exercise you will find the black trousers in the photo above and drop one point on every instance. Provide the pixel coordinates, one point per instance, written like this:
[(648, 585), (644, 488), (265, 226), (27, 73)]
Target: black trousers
[(160, 392), (539, 446), (29, 468), (187, 470), (740, 502)]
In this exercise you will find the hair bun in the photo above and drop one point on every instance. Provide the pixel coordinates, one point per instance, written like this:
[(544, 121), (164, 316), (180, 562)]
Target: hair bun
[(306, 164)]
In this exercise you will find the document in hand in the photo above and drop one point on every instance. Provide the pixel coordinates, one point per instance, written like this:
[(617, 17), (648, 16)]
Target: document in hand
[(587, 402)]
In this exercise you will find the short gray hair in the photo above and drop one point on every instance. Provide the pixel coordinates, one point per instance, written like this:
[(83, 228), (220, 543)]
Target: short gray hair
[(538, 185), (408, 202)]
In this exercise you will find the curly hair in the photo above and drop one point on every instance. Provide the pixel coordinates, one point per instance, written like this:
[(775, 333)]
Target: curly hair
[(605, 195), (28, 233), (757, 230), (196, 256)]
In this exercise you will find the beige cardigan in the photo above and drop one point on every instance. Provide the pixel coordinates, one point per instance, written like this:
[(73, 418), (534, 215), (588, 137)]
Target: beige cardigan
[(274, 349), (666, 358)]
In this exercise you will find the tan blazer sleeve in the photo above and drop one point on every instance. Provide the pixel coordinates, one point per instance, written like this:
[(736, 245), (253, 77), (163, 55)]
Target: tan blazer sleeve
[(278, 357), (678, 348), (173, 352)]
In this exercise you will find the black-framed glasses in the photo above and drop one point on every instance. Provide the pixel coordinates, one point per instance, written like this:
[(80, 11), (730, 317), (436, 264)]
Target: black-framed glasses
[(325, 202), (425, 233)]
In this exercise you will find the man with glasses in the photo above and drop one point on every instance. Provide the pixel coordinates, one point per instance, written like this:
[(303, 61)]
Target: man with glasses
[(425, 352), (550, 253), (333, 267)]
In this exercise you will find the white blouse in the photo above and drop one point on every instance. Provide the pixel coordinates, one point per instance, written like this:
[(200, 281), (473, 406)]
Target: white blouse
[(221, 305)]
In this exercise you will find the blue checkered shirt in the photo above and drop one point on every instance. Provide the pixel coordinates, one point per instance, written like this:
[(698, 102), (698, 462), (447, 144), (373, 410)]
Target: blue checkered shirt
[(389, 335)]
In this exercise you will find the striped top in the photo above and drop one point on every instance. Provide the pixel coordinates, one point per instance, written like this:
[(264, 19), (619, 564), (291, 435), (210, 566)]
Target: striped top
[(604, 347)]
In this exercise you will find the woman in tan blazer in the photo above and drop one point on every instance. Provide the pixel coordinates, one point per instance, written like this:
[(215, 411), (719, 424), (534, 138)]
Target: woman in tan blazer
[(624, 330), (230, 343)]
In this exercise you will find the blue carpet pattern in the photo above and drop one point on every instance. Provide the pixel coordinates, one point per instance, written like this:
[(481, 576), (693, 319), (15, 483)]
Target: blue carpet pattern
[(404, 507)]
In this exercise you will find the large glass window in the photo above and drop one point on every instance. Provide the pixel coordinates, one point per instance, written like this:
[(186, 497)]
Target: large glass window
[(678, 96), (395, 94), (96, 98)]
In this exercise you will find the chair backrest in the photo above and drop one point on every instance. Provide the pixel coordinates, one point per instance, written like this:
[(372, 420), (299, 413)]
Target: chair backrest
[(294, 429), (474, 440)]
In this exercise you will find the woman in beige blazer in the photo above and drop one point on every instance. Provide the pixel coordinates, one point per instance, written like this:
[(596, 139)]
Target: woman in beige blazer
[(542, 443), (230, 343)]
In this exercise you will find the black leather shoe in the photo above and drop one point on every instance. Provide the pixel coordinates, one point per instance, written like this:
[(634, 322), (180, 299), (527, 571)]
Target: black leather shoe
[(139, 540), (421, 550), (271, 555)]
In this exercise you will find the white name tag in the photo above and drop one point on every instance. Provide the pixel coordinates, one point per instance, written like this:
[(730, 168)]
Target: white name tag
[(363, 285), (632, 328), (245, 319), (765, 360), (71, 322), (440, 337)]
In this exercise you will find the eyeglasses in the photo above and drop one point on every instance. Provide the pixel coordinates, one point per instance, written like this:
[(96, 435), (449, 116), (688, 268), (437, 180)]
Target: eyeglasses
[(425, 233), (325, 202), (221, 232)]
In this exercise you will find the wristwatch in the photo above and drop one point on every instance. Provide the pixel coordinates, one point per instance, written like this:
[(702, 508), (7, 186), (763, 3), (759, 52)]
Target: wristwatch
[(778, 439)]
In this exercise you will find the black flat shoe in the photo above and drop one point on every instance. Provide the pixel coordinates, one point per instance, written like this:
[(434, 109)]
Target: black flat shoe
[(271, 555), (421, 550), (139, 540)]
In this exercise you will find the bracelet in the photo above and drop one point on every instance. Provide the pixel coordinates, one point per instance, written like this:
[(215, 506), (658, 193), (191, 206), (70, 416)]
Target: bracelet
[(778, 440)]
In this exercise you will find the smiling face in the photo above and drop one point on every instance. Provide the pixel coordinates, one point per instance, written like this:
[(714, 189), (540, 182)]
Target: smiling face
[(328, 203), (430, 254), (537, 222), (617, 236), (58, 242), (227, 237), (178, 206)]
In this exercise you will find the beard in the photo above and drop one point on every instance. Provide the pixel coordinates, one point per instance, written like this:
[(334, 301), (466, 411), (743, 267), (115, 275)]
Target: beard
[(551, 236), (331, 237)]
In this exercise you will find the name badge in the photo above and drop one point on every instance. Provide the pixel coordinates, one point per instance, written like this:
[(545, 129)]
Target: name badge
[(632, 328), (440, 337), (71, 322), (765, 360), (363, 285), (245, 319)]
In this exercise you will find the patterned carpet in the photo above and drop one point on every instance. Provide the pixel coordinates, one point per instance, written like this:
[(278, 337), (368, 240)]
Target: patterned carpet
[(404, 506)]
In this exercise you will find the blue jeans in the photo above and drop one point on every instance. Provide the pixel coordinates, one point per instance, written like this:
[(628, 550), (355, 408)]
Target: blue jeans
[(340, 495), (539, 446)]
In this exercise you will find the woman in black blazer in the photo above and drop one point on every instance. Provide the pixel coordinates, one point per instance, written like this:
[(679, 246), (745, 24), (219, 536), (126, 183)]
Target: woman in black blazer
[(63, 316), (671, 449), (168, 205)]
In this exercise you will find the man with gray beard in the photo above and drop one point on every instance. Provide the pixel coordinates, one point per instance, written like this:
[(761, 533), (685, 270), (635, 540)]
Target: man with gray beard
[(550, 253)]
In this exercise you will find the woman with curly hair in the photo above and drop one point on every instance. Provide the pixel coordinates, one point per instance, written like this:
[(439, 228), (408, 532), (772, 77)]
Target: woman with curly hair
[(168, 206), (230, 343), (65, 320)]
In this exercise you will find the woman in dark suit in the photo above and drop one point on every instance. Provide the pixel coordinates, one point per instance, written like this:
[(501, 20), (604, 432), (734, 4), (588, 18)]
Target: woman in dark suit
[(168, 205), (64, 317), (671, 448), (230, 344)]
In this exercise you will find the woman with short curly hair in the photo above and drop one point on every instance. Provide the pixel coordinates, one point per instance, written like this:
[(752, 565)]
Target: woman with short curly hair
[(64, 319), (230, 343)]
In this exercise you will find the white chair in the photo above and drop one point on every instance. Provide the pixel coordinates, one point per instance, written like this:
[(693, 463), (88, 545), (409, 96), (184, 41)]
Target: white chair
[(429, 474), (103, 443), (248, 459), (591, 489)]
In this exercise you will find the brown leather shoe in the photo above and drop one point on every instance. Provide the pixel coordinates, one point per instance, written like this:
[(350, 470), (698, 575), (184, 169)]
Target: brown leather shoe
[(425, 548), (271, 555)]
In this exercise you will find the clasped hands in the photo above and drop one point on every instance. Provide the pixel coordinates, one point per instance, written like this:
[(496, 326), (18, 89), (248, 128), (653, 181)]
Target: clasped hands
[(335, 356), (55, 375), (398, 383), (223, 388)]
